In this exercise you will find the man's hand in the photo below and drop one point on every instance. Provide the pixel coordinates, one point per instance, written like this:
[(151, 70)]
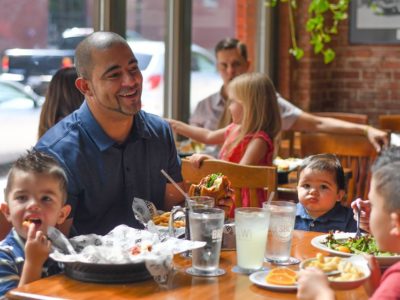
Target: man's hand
[(378, 138), (365, 207)]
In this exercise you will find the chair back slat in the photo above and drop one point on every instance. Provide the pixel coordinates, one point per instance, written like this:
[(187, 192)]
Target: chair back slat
[(389, 122), (240, 176), (354, 152)]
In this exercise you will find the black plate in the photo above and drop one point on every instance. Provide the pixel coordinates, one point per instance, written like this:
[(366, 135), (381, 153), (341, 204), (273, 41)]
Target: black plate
[(107, 273)]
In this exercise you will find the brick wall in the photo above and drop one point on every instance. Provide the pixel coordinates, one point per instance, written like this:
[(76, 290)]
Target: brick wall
[(362, 78)]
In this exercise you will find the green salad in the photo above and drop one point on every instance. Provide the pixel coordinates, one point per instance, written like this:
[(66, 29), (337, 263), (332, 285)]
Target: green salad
[(364, 244)]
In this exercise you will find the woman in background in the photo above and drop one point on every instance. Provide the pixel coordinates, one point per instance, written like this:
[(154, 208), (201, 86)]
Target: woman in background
[(62, 98)]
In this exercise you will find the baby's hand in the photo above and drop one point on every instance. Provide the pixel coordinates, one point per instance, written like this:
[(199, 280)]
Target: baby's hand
[(313, 284), (365, 207), (37, 247)]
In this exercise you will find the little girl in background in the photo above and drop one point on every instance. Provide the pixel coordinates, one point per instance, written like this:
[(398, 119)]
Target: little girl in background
[(256, 122)]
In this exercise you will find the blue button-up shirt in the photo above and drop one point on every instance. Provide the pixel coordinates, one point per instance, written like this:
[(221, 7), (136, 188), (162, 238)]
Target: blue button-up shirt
[(338, 218), (103, 176)]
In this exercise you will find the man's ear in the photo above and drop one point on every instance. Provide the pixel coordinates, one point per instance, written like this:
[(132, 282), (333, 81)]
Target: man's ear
[(395, 222), (82, 84), (5, 209), (64, 213)]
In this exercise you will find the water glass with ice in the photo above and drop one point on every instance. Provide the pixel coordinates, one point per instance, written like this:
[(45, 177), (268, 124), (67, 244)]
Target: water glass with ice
[(206, 224), (251, 225), (280, 232)]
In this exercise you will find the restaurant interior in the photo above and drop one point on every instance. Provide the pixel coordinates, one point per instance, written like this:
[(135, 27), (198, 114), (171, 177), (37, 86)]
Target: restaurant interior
[(359, 85)]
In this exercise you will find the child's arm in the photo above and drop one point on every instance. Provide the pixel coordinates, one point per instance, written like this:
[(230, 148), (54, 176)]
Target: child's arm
[(313, 285), (37, 249), (202, 135), (255, 152), (374, 280)]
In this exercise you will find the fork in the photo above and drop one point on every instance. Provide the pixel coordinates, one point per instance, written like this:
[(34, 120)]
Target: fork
[(358, 232)]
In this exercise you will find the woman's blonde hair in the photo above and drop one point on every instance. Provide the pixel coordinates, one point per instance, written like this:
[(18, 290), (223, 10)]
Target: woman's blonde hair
[(260, 105)]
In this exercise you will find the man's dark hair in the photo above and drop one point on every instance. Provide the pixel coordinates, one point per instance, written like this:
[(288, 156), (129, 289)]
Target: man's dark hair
[(37, 162), (325, 162), (99, 40), (231, 43)]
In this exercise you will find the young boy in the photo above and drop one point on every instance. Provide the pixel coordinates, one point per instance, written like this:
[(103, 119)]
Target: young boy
[(35, 198), (385, 227), (321, 187)]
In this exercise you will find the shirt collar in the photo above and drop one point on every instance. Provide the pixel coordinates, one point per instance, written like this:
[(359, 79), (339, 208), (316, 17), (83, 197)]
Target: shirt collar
[(100, 138), (332, 215)]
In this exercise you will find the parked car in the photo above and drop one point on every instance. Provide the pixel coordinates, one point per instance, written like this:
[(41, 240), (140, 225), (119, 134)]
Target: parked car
[(19, 114), (150, 55)]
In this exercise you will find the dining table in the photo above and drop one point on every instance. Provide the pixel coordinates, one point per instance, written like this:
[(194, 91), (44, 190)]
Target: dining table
[(181, 285)]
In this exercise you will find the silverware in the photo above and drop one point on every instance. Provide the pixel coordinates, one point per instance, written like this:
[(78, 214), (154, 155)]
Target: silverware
[(358, 232)]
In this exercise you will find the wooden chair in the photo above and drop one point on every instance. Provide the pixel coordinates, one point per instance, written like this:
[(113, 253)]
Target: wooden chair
[(354, 151), (389, 122), (240, 176), (5, 226)]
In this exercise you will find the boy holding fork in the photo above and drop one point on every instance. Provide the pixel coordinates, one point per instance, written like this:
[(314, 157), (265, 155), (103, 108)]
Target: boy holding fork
[(385, 227)]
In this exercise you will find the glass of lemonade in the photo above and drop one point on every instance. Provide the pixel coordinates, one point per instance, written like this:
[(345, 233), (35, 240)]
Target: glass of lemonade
[(251, 226), (280, 233), (206, 224)]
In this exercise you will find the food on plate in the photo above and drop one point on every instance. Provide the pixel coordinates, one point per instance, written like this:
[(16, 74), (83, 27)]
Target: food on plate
[(281, 276), (325, 263), (347, 271), (285, 165), (364, 244), (143, 247), (163, 220), (217, 186)]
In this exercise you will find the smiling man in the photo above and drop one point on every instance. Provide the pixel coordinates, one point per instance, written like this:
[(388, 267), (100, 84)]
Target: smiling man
[(111, 150)]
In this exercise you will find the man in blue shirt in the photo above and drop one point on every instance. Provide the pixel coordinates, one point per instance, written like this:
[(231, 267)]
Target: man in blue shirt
[(110, 149)]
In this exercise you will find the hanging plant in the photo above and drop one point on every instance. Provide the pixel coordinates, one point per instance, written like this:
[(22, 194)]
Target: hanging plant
[(321, 32)]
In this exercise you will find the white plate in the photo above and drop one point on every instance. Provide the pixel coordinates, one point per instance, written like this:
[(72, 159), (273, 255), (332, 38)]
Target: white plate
[(318, 242), (358, 261), (258, 278), (292, 163)]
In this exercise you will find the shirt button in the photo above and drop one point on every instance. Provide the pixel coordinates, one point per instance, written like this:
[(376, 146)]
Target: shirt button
[(128, 169)]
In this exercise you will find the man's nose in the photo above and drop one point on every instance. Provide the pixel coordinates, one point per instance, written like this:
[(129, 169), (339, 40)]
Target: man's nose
[(130, 79)]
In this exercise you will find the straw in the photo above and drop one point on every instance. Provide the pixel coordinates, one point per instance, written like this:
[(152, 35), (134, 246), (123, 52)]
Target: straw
[(271, 196), (174, 183)]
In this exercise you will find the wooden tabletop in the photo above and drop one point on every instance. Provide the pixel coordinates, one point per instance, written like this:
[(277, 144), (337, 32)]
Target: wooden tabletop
[(183, 286)]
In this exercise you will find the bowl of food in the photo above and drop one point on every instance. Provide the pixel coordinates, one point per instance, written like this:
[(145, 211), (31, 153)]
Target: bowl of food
[(343, 273)]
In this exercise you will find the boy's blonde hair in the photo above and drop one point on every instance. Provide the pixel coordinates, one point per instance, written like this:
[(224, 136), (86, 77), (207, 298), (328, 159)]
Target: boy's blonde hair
[(38, 163), (260, 105)]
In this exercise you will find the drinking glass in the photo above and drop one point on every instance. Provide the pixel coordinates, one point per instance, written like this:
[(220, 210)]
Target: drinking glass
[(206, 224), (280, 233), (251, 225)]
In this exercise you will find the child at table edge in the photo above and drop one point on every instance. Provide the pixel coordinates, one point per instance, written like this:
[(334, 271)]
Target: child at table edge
[(385, 227), (35, 197), (320, 188)]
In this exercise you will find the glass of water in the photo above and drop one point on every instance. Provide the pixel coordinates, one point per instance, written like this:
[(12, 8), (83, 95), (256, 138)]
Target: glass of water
[(280, 232), (206, 224)]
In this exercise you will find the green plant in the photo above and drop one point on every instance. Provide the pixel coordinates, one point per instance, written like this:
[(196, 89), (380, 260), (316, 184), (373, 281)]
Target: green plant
[(319, 12)]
